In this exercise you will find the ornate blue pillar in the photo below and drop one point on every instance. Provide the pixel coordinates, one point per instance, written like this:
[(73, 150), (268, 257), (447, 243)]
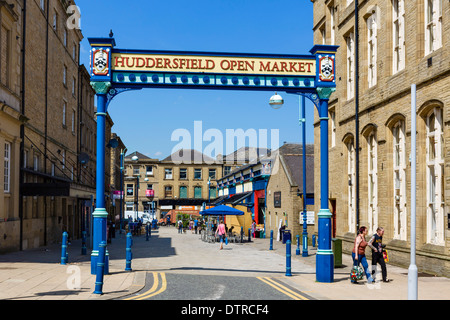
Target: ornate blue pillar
[(324, 256), (100, 214)]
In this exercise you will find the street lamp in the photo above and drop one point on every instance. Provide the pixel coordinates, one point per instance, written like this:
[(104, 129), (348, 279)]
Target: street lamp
[(122, 153), (135, 159), (276, 102)]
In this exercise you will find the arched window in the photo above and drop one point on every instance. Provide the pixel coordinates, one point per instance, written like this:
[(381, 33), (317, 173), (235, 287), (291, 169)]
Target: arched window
[(351, 190), (399, 173), (372, 181), (435, 176)]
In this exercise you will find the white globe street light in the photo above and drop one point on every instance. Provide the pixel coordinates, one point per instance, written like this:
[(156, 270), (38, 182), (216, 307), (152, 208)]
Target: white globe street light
[(276, 101)]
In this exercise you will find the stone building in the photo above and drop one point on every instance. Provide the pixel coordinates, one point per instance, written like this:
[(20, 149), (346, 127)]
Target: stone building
[(141, 184), (396, 44), (11, 120), (285, 190), (179, 181), (51, 190)]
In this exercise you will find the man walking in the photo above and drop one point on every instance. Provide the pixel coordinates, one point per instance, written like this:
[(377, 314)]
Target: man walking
[(376, 243)]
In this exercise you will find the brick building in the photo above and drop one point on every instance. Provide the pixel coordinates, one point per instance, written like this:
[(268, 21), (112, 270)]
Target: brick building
[(399, 43)]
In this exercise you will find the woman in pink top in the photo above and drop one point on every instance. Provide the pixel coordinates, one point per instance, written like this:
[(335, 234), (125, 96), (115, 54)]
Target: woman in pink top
[(221, 232)]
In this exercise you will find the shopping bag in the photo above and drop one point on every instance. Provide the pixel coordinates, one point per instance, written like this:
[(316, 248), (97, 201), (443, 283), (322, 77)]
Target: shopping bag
[(226, 240), (385, 256), (356, 273)]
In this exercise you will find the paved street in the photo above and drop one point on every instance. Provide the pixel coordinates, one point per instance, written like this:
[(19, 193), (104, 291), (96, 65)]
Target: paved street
[(192, 270)]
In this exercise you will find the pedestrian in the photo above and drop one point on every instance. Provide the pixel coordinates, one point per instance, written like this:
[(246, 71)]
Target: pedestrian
[(220, 231), (180, 226), (376, 243), (254, 229), (191, 225), (195, 225), (359, 253)]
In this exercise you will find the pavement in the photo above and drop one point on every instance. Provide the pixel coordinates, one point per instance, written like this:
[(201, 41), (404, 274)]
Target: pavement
[(38, 274)]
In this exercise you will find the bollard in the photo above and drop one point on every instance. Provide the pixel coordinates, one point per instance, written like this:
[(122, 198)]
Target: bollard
[(146, 232), (64, 254), (149, 231), (100, 268), (288, 258), (305, 245), (83, 243), (271, 240), (314, 240), (249, 235), (129, 254), (297, 252), (242, 234)]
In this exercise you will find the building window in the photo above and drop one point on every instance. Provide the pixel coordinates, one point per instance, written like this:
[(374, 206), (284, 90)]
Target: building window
[(7, 168), (332, 9), (433, 25), (399, 153), (64, 110), (63, 162), (73, 85), (53, 169), (65, 76), (398, 18), (74, 51), (130, 189), (183, 192), (36, 163), (197, 174), (227, 170), (277, 199), (197, 192), (168, 192), (350, 40), (435, 177), (323, 34), (212, 192), (136, 171), (372, 180), (5, 62), (149, 170), (168, 173), (55, 21), (73, 121), (351, 177), (212, 174), (183, 174), (65, 37), (372, 49), (42, 5), (333, 128)]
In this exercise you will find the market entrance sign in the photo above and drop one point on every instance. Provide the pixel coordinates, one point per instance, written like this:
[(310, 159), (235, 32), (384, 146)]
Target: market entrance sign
[(115, 70)]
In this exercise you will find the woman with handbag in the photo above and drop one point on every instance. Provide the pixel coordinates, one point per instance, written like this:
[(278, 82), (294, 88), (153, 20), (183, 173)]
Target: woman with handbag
[(221, 232), (359, 255)]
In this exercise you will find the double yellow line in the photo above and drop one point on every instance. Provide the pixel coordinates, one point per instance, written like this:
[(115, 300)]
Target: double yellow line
[(156, 289), (278, 286)]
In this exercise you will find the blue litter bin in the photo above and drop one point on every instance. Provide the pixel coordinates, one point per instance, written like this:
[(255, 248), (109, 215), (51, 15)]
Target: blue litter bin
[(287, 236)]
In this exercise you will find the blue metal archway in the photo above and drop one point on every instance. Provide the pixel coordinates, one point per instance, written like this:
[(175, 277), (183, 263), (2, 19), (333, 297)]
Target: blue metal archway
[(117, 70)]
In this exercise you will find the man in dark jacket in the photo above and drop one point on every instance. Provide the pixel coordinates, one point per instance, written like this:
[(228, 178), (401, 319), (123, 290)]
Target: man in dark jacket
[(376, 243)]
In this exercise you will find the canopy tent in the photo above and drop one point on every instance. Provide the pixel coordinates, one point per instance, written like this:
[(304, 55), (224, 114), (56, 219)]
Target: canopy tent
[(222, 210)]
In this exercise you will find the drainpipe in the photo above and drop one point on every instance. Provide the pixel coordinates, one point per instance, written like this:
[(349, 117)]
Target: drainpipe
[(357, 109), (22, 127)]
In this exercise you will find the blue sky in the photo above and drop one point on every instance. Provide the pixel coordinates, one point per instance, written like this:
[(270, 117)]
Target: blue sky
[(146, 119)]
